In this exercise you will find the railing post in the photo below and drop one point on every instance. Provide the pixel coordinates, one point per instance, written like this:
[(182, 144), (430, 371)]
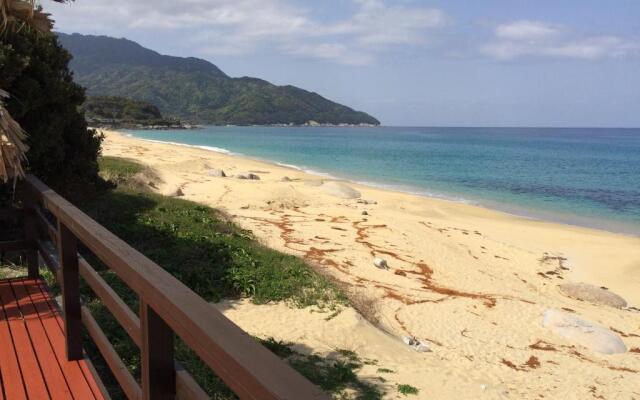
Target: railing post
[(30, 228), (156, 352), (68, 250)]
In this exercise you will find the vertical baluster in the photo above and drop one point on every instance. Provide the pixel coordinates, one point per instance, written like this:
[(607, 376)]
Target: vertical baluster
[(68, 250), (30, 230), (157, 353)]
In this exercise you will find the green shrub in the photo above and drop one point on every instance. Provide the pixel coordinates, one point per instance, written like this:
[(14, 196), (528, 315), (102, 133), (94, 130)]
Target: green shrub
[(44, 101), (407, 389)]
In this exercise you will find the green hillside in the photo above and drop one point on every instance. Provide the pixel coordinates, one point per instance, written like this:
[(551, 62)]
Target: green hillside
[(193, 89)]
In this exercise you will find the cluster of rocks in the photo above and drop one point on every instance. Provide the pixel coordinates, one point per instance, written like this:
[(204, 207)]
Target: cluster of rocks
[(218, 173), (580, 331), (247, 175), (362, 201)]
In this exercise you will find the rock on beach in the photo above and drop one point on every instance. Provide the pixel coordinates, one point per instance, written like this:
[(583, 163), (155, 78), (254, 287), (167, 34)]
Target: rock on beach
[(217, 173), (248, 175), (582, 332), (592, 294)]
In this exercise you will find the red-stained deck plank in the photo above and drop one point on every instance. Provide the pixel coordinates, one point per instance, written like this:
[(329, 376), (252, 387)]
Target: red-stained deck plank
[(51, 370), (9, 367), (32, 353), (50, 316), (31, 374)]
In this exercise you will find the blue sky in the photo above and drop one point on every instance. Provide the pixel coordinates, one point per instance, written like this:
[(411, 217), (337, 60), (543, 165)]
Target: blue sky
[(407, 62)]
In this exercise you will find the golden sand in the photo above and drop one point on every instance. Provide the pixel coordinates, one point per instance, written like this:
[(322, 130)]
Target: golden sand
[(472, 283)]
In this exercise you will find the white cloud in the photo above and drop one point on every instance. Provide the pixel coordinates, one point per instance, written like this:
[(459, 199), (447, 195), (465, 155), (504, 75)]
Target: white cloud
[(378, 24), (525, 30), (237, 27), (539, 40), (330, 51)]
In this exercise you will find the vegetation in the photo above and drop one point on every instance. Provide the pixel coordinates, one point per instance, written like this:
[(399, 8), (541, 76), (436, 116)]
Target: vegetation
[(407, 389), (336, 375), (44, 101), (195, 90), (15, 15), (216, 259), (121, 112), (223, 260)]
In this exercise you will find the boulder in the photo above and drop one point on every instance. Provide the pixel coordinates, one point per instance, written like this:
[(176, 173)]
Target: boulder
[(247, 175), (592, 294), (365, 213), (340, 189), (216, 173), (582, 332), (380, 263), (285, 179)]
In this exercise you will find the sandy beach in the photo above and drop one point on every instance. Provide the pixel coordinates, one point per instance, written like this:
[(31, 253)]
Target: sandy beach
[(469, 282)]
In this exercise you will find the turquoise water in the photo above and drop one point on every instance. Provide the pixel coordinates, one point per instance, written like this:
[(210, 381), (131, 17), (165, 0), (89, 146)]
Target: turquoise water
[(587, 177)]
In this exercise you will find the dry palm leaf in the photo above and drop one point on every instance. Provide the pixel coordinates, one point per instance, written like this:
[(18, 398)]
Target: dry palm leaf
[(12, 147), (25, 12)]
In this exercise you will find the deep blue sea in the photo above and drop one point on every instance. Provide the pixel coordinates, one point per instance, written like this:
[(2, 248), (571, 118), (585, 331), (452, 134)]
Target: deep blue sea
[(581, 176)]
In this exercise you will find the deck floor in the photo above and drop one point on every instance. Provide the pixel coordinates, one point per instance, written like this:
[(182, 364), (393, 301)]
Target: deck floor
[(33, 363)]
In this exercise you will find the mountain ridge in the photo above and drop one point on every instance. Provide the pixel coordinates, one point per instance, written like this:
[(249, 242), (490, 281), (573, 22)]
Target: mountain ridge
[(194, 89)]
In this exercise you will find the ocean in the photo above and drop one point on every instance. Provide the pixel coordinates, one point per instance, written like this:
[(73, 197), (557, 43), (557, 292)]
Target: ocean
[(581, 176)]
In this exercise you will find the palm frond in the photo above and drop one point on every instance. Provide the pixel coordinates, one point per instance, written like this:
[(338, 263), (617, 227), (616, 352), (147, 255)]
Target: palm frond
[(16, 13), (12, 147)]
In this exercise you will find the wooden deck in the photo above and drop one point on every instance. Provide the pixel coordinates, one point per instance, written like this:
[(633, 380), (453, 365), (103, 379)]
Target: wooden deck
[(33, 363)]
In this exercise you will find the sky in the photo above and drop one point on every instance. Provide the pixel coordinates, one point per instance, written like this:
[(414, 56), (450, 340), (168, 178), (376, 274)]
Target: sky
[(406, 62)]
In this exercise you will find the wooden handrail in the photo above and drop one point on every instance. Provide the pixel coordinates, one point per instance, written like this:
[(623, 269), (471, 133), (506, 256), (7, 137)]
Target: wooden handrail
[(249, 369)]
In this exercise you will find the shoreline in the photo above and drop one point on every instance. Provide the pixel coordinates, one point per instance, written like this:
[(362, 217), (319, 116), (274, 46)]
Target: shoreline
[(471, 282), (514, 210), (462, 205)]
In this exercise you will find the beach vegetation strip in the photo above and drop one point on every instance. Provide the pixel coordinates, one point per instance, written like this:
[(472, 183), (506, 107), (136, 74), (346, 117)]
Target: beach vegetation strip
[(203, 249)]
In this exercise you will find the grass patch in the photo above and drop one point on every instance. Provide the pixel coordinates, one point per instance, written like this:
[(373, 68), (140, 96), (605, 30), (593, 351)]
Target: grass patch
[(385, 371), (406, 390), (118, 170)]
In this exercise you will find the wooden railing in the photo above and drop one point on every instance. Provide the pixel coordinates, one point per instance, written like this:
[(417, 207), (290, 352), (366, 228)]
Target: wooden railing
[(54, 228)]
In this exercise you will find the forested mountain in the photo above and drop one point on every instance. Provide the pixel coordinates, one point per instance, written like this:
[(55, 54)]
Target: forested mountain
[(193, 89)]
